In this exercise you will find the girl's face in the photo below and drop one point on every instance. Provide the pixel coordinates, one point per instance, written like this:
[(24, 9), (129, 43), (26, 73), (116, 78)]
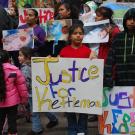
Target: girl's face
[(130, 23), (31, 18), (99, 17), (63, 12), (77, 37), (21, 58)]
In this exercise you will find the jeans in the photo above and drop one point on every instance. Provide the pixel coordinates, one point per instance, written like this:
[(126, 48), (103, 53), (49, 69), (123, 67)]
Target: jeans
[(36, 121), (77, 126)]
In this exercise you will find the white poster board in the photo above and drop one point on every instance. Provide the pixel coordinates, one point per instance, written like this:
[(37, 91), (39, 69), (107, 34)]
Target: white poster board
[(118, 112), (67, 85)]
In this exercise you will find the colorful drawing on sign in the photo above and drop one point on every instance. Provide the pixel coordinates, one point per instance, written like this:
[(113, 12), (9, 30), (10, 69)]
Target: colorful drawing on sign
[(17, 38), (72, 87), (118, 111), (44, 15), (96, 32), (35, 3)]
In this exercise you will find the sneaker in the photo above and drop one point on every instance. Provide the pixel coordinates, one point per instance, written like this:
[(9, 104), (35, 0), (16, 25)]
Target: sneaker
[(52, 124), (35, 133)]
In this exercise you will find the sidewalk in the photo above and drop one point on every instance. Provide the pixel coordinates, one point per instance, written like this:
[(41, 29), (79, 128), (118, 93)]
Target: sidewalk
[(61, 129)]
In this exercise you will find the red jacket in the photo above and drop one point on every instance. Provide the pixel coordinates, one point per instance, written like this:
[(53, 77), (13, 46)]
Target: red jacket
[(105, 47)]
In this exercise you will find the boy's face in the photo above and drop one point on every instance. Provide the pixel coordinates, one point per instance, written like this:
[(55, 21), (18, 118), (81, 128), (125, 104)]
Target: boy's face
[(130, 24)]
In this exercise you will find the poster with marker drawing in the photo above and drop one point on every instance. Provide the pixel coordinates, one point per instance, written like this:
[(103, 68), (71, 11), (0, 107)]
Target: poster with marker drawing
[(15, 39), (96, 32), (118, 111), (72, 87)]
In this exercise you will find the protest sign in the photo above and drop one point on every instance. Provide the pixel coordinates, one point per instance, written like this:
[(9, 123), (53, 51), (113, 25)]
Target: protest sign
[(96, 32), (15, 39), (43, 13), (34, 3), (118, 111), (67, 85), (58, 29)]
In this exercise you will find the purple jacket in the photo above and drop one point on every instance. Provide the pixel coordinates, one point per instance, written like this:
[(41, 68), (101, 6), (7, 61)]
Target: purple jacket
[(38, 31), (16, 89)]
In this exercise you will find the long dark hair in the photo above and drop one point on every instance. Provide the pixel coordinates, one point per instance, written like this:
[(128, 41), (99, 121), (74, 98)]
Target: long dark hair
[(4, 57), (74, 12), (106, 13), (36, 15), (76, 24)]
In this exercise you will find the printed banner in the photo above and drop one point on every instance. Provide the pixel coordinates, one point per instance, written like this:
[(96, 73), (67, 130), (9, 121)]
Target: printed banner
[(96, 32), (58, 29), (118, 112), (34, 3), (67, 85), (15, 39)]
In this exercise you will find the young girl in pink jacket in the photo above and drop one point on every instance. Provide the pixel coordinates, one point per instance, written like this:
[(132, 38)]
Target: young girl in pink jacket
[(13, 91)]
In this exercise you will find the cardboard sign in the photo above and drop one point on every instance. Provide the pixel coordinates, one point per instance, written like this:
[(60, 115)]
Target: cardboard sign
[(118, 111), (67, 85)]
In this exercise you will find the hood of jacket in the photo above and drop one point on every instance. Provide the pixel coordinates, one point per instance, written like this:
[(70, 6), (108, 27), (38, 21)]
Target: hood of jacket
[(129, 14)]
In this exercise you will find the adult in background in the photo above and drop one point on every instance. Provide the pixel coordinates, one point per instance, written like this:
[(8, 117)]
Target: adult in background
[(63, 11), (32, 21), (5, 22)]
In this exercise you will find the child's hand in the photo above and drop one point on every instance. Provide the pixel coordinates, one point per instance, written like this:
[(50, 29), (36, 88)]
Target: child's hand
[(93, 55)]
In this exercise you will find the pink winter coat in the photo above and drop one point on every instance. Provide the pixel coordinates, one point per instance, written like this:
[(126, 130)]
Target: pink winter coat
[(16, 90)]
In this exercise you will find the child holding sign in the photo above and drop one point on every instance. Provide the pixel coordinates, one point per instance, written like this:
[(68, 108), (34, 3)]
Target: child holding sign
[(25, 54), (77, 50)]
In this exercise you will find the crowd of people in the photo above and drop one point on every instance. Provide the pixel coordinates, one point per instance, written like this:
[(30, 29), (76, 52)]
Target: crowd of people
[(15, 66)]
